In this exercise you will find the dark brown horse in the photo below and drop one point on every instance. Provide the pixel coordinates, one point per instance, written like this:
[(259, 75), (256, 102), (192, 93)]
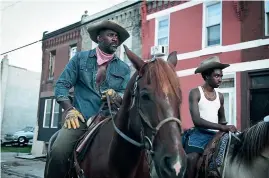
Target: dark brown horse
[(146, 127), (147, 120)]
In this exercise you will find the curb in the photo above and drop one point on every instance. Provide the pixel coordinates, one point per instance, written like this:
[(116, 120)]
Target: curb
[(19, 174)]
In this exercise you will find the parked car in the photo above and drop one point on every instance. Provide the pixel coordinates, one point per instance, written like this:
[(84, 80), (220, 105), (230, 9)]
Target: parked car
[(21, 137)]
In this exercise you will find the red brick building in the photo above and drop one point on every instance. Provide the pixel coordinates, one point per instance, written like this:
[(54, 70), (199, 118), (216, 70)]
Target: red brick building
[(57, 48), (236, 31)]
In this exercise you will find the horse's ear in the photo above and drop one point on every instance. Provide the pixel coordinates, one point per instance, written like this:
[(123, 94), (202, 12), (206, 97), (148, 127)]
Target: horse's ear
[(172, 58), (136, 61)]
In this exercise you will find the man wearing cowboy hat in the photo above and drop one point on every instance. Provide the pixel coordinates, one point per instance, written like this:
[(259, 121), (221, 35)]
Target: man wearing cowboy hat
[(93, 74), (206, 107)]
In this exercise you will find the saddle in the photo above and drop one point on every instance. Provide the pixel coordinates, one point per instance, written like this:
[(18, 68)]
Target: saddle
[(211, 163)]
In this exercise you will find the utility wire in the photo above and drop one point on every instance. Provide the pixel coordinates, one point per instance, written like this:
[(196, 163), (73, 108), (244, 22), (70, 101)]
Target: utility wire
[(10, 5), (21, 47)]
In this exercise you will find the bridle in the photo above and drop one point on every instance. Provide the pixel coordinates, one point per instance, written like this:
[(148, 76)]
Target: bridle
[(147, 143)]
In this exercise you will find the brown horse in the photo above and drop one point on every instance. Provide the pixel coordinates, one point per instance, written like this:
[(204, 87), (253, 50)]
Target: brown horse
[(146, 131)]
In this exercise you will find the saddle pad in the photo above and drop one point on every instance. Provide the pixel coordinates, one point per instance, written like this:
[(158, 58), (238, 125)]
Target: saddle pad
[(219, 159)]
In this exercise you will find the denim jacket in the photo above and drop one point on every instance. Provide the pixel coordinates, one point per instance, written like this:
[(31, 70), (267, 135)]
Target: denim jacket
[(80, 73)]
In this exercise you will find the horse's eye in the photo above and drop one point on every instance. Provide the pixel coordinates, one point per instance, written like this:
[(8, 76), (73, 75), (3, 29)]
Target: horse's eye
[(145, 95)]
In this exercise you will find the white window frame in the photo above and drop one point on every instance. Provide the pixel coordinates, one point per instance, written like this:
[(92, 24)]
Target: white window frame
[(157, 29), (204, 29), (45, 114), (52, 115), (128, 43), (266, 10), (232, 118), (71, 50)]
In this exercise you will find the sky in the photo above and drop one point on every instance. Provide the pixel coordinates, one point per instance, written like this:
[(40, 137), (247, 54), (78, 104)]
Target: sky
[(23, 22)]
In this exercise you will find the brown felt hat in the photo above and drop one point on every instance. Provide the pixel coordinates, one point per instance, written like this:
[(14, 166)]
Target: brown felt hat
[(108, 24), (211, 63)]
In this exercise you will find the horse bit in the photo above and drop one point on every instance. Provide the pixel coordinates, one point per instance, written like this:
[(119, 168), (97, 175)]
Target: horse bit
[(147, 143)]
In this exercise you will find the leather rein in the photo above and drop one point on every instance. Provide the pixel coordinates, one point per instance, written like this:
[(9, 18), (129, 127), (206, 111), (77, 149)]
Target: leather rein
[(146, 143)]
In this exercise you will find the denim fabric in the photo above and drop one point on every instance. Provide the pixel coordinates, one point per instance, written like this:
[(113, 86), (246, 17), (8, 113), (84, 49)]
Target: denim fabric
[(80, 73), (196, 139)]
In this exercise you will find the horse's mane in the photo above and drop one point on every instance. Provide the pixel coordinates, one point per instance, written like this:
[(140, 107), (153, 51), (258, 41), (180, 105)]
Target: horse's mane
[(253, 141), (163, 76)]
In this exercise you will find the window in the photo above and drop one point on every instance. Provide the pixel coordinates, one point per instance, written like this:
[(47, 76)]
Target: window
[(55, 116), (52, 64), (51, 114), (72, 51), (228, 90), (266, 10), (162, 31), (212, 19), (47, 113)]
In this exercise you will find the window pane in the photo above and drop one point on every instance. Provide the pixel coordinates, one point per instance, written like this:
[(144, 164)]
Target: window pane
[(213, 15), (56, 115), (267, 23), (226, 106), (260, 81), (73, 51), (163, 41), (163, 32), (55, 120), (163, 23), (48, 106), (47, 120), (266, 5), (213, 35)]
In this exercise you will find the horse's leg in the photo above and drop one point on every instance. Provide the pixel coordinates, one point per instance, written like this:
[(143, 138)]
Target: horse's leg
[(192, 163)]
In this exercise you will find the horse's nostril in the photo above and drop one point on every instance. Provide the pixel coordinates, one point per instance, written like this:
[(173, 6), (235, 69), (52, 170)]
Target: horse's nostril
[(167, 166), (171, 165)]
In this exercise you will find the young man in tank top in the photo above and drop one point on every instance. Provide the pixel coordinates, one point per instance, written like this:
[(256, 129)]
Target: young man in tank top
[(206, 107)]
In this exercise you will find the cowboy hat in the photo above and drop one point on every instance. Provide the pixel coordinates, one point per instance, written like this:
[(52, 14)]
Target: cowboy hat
[(94, 30), (211, 63)]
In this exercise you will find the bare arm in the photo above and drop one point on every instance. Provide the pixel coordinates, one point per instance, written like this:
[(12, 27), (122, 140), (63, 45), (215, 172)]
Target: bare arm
[(194, 98), (221, 112)]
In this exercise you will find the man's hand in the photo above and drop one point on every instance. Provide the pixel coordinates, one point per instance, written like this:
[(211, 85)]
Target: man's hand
[(229, 128), (71, 119), (110, 92)]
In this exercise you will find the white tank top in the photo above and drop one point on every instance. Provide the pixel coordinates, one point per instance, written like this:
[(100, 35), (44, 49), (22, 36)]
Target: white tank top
[(208, 109)]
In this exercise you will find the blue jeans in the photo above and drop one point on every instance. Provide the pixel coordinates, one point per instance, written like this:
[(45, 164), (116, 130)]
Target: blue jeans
[(196, 139)]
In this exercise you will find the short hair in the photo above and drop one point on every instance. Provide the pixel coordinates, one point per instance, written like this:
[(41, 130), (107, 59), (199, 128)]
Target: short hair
[(207, 72)]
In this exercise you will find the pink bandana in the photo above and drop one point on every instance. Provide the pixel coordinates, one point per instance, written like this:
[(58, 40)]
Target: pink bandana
[(103, 57)]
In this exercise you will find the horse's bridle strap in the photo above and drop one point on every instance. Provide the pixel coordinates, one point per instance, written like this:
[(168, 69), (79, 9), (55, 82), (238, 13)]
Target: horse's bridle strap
[(118, 130)]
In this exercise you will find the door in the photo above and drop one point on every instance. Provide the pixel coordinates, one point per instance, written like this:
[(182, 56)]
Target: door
[(259, 105)]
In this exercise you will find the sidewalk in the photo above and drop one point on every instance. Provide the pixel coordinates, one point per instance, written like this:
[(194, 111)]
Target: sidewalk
[(19, 165)]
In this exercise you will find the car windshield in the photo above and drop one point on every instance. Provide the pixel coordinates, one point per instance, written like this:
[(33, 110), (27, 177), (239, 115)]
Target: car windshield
[(27, 129)]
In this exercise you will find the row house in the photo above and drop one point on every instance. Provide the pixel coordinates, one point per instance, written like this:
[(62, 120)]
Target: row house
[(236, 31), (59, 46)]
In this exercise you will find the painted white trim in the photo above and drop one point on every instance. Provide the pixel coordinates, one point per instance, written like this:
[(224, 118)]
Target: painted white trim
[(204, 24), (44, 114), (52, 117), (223, 49), (236, 67), (157, 29), (173, 9), (266, 30)]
